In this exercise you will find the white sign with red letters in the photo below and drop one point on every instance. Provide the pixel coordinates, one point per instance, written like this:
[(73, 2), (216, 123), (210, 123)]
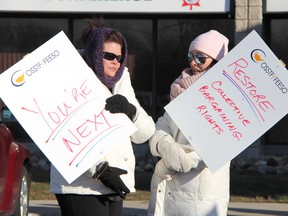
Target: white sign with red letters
[(234, 103), (60, 102)]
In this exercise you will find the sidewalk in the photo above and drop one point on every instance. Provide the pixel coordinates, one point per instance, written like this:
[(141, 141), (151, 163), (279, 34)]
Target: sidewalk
[(138, 208)]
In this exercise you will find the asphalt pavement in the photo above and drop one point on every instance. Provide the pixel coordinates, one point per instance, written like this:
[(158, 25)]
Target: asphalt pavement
[(138, 208)]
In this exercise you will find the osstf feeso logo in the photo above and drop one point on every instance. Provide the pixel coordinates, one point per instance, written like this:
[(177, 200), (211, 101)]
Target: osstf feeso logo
[(18, 78), (259, 57)]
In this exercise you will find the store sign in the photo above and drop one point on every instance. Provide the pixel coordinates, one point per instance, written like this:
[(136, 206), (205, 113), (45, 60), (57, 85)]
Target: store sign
[(276, 6), (60, 103), (234, 103), (117, 6)]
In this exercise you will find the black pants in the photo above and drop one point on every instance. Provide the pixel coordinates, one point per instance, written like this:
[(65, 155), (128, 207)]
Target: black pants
[(89, 205)]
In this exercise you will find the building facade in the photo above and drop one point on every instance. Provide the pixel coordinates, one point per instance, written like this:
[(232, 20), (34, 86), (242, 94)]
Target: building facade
[(158, 36)]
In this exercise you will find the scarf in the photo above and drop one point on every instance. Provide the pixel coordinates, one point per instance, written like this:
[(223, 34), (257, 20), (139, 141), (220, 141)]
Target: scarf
[(93, 55), (186, 79)]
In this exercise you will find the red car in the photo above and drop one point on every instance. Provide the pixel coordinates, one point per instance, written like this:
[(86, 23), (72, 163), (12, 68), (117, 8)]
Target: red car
[(15, 170)]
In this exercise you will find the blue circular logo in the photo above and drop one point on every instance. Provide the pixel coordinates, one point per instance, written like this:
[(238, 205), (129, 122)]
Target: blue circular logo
[(258, 55)]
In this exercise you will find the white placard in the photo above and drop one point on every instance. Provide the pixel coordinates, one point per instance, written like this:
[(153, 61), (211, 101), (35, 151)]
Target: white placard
[(60, 102), (234, 103)]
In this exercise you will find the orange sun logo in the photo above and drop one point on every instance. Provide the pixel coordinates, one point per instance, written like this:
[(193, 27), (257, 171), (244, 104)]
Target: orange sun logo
[(191, 3)]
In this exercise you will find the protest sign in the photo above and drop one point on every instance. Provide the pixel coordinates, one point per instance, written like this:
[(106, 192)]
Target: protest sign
[(60, 103), (234, 103)]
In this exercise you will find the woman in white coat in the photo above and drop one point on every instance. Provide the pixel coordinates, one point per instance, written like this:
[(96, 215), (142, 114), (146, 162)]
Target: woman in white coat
[(102, 188), (182, 184)]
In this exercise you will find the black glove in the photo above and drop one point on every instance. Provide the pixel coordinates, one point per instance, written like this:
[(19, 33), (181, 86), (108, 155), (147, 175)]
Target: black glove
[(119, 104), (110, 177)]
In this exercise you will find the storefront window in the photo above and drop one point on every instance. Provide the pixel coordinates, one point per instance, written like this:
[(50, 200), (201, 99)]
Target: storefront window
[(21, 36), (27, 34), (173, 39), (278, 134)]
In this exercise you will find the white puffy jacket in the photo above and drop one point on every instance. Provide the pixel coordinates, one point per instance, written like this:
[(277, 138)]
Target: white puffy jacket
[(196, 193), (122, 157)]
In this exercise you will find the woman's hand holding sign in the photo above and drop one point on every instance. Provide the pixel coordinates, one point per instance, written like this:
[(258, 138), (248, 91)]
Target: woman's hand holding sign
[(119, 104)]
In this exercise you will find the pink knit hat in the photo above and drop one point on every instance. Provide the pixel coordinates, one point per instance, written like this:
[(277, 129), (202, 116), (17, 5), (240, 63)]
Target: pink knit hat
[(211, 43)]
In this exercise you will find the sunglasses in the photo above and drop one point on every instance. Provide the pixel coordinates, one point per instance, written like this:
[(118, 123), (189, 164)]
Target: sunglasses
[(199, 58), (111, 56)]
